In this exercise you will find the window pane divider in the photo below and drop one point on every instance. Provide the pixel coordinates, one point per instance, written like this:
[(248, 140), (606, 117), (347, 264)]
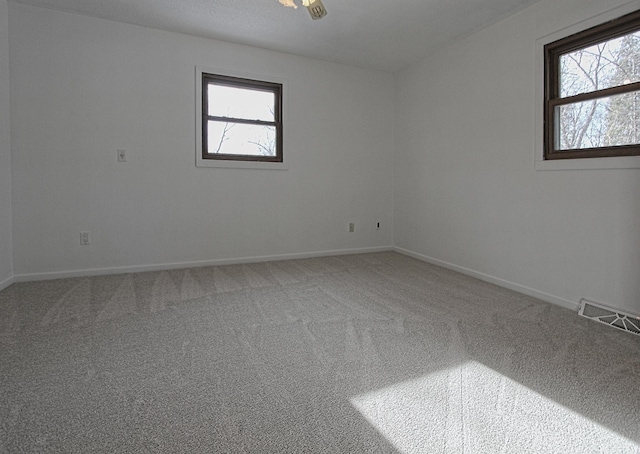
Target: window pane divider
[(603, 93), (242, 120)]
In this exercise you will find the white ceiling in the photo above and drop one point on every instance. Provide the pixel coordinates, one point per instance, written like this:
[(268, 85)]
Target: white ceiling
[(389, 35)]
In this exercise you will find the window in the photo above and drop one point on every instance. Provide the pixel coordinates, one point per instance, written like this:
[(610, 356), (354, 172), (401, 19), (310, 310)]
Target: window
[(241, 119), (592, 92)]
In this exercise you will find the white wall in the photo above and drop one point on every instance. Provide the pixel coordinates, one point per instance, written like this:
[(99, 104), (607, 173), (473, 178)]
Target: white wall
[(467, 194), (84, 87), (6, 247)]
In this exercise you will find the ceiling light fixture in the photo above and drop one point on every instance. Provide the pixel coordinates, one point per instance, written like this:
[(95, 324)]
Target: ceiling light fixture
[(315, 7)]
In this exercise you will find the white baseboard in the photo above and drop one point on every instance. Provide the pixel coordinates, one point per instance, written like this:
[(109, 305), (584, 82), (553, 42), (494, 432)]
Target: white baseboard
[(28, 277), (303, 255), (7, 282), (567, 304)]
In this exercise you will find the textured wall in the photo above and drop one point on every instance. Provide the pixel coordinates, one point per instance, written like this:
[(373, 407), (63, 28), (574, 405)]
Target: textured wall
[(86, 87), (6, 247), (467, 193)]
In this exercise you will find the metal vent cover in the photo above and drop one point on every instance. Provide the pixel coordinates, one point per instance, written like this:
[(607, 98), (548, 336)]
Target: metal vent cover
[(626, 322)]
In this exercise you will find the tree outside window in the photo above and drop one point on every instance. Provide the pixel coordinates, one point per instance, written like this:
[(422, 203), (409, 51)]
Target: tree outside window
[(592, 86)]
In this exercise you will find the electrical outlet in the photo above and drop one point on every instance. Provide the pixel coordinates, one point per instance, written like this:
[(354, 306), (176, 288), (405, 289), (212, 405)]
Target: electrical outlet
[(352, 227), (84, 238), (122, 155)]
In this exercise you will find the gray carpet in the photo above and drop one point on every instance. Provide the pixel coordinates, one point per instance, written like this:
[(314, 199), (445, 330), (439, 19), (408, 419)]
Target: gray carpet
[(363, 353)]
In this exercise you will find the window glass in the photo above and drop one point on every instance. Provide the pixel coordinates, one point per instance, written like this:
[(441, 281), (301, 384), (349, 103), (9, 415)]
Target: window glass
[(241, 139), (604, 122), (592, 92), (241, 119), (235, 102), (608, 64)]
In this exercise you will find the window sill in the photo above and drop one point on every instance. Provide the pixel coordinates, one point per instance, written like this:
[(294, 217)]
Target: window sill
[(241, 164), (623, 162)]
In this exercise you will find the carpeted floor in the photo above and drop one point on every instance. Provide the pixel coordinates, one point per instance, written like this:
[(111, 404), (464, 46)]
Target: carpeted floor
[(350, 354)]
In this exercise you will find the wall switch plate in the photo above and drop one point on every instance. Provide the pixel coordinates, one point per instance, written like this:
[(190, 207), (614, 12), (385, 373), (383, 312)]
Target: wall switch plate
[(352, 227), (377, 226), (84, 238), (122, 155)]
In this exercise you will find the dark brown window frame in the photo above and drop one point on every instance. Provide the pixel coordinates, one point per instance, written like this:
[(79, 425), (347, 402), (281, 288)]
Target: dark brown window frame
[(610, 30), (250, 84)]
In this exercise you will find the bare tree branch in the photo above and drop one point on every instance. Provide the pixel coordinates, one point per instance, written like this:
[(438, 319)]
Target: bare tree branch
[(223, 138)]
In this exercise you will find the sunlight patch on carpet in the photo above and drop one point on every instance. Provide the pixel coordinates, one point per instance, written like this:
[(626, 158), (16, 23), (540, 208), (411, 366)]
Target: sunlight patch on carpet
[(472, 408)]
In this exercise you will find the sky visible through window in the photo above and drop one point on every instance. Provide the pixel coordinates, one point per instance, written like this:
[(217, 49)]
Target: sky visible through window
[(231, 137)]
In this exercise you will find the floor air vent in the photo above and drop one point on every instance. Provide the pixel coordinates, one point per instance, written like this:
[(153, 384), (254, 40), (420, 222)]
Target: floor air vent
[(626, 322)]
